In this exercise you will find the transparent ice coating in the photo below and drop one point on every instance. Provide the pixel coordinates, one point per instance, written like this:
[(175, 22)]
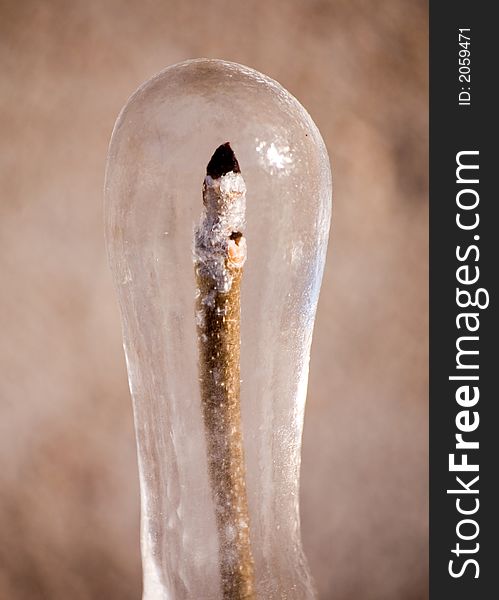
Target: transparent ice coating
[(161, 144)]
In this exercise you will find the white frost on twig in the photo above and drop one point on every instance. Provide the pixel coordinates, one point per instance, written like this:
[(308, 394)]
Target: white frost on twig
[(218, 241)]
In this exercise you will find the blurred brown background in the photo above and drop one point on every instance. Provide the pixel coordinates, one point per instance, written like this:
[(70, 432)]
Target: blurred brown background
[(68, 477)]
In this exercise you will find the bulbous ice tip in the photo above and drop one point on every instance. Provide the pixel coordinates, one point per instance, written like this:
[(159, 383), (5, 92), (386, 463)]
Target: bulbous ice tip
[(222, 162)]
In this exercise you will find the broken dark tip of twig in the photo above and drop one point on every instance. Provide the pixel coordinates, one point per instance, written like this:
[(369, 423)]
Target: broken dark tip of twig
[(222, 162)]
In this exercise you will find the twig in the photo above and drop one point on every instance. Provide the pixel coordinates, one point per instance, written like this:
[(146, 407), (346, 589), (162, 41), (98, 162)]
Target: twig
[(220, 252)]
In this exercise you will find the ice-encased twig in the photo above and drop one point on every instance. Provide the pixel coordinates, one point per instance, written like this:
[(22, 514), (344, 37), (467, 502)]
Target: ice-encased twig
[(220, 252)]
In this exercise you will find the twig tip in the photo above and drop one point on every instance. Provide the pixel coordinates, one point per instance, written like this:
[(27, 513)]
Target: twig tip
[(222, 162)]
